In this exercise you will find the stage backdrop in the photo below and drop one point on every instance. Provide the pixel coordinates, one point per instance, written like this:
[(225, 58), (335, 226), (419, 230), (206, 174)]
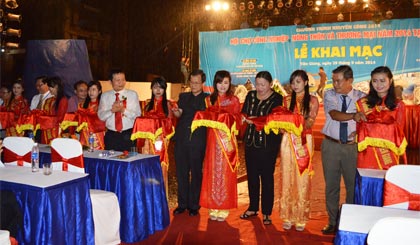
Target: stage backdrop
[(67, 59), (283, 49)]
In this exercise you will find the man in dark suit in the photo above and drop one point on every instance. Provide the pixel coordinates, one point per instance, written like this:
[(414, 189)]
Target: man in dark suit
[(190, 148)]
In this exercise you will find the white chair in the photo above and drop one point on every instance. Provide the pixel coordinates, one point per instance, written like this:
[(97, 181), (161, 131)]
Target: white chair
[(69, 157), (17, 151), (402, 183), (105, 206), (4, 237), (395, 230)]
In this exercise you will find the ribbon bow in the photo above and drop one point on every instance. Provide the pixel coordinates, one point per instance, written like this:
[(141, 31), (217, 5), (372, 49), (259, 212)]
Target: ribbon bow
[(394, 194), (75, 161), (10, 156)]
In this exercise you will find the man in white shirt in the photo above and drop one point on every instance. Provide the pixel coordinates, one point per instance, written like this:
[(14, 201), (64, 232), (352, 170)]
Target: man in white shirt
[(119, 108), (44, 93)]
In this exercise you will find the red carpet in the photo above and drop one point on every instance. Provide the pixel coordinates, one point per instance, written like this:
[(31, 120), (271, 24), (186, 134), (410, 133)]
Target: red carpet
[(184, 229)]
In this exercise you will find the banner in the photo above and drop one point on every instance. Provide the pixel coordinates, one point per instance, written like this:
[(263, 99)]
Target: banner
[(282, 49)]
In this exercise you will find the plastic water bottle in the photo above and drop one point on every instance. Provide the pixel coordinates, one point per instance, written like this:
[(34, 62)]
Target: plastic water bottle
[(91, 142), (31, 135), (35, 158)]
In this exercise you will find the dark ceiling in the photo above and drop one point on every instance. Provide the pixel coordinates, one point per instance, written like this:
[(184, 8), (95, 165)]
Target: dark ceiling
[(150, 37)]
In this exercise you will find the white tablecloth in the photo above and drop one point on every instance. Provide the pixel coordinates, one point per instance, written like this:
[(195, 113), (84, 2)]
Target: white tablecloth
[(357, 220), (23, 175)]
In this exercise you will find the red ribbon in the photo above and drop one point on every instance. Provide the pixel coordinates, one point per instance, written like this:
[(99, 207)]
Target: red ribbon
[(394, 194), (7, 119), (10, 156), (95, 125), (151, 123), (75, 161)]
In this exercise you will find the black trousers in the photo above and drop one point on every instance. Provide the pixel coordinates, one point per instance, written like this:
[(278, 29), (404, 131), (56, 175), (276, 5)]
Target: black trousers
[(189, 172), (118, 141), (260, 164)]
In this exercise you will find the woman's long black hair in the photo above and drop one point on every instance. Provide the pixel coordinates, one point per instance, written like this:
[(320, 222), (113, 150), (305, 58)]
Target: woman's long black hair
[(373, 98), (161, 82), (306, 97), (218, 78), (52, 81), (90, 84)]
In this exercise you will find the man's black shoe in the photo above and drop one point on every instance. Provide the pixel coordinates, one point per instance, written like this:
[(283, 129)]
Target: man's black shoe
[(193, 212), (179, 211), (328, 230)]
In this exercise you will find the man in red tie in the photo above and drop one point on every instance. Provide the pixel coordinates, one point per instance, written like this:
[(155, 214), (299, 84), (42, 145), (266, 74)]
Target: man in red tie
[(119, 108)]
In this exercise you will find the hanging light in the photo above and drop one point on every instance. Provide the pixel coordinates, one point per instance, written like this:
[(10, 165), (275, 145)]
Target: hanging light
[(280, 4), (256, 21), (318, 2), (234, 7), (308, 20), (270, 4), (366, 6), (377, 17), (13, 32), (310, 3), (340, 17), (299, 3), (288, 3), (251, 5), (242, 6), (14, 17), (265, 23), (12, 45), (276, 12), (11, 4), (261, 5), (389, 14)]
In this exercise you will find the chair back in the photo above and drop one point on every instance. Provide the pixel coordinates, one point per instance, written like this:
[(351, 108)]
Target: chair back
[(17, 151), (394, 230), (402, 187), (67, 155)]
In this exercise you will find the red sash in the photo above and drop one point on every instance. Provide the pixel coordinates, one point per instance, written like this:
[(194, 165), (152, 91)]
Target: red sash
[(380, 130), (225, 125), (301, 153), (10, 156), (75, 161), (394, 194), (6, 119)]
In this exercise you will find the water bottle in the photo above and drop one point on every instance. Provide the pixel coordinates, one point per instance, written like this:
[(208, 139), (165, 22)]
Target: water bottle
[(31, 135), (91, 142), (35, 158)]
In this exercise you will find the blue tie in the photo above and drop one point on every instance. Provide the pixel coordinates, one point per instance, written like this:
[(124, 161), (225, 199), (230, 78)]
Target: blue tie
[(343, 125)]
